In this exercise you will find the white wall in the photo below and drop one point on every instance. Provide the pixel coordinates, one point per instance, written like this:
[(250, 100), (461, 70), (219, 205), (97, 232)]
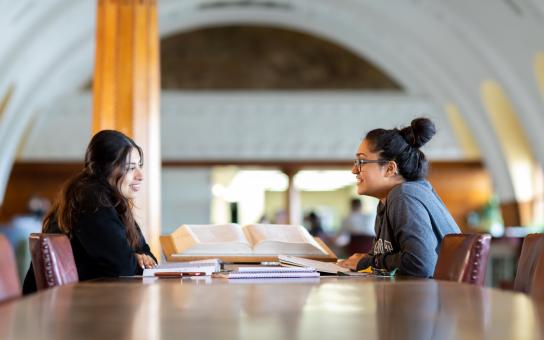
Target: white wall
[(186, 197)]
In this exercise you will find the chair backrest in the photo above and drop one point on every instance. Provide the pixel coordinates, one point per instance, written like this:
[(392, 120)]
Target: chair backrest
[(463, 258), (52, 260), (530, 273), (10, 287)]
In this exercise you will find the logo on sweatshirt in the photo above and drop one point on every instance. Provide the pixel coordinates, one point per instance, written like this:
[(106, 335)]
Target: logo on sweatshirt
[(382, 246)]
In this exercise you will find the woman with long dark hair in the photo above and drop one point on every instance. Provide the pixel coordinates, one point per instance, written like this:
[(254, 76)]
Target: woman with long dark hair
[(411, 220), (94, 209)]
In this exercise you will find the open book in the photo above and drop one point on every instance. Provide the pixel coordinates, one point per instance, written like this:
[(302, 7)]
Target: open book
[(250, 243)]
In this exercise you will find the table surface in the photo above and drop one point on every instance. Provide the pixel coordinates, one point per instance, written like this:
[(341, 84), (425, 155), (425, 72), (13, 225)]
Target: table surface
[(326, 308)]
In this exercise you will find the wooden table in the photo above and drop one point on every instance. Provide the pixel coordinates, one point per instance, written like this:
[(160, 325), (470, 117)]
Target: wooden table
[(326, 308)]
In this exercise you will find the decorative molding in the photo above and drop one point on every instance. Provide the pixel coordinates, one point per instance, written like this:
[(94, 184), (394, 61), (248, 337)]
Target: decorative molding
[(302, 126)]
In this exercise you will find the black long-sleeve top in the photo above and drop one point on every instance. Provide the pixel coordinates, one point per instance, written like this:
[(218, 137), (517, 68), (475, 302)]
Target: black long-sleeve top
[(100, 247)]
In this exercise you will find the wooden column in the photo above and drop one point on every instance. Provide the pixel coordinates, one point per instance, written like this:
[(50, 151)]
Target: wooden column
[(511, 213), (126, 92), (292, 198)]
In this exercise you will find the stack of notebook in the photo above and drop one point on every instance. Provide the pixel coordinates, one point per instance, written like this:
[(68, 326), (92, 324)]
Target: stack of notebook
[(268, 272), (203, 266)]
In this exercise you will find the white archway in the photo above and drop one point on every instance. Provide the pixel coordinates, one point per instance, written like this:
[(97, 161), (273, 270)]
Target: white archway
[(431, 48)]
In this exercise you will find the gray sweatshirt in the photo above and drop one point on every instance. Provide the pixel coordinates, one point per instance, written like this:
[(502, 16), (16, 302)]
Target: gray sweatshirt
[(409, 229)]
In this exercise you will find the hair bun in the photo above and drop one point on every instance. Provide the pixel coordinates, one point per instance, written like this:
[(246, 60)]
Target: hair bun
[(420, 131)]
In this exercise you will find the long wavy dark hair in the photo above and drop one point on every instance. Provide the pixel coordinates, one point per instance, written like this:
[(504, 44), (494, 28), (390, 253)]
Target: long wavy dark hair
[(98, 185)]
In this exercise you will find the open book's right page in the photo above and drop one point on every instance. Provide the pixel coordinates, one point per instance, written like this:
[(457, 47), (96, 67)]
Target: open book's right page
[(282, 239)]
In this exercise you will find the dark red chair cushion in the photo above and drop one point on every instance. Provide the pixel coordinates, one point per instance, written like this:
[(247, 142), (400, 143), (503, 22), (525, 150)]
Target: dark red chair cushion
[(530, 273), (463, 258), (52, 260)]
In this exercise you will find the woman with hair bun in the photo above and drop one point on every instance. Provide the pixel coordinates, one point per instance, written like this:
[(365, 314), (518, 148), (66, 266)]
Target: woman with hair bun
[(411, 220)]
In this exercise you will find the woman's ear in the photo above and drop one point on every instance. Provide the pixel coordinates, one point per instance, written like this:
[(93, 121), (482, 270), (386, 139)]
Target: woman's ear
[(392, 169)]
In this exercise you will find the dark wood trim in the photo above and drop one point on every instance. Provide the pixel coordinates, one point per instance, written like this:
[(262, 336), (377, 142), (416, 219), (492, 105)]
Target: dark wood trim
[(264, 163), (456, 164), (464, 186), (301, 163), (46, 167), (196, 162), (73, 167)]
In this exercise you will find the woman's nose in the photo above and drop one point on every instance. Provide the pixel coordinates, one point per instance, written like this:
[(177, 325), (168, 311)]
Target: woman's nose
[(354, 170), (139, 175)]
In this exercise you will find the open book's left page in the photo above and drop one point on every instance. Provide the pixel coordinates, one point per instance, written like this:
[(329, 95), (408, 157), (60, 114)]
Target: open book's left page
[(207, 239)]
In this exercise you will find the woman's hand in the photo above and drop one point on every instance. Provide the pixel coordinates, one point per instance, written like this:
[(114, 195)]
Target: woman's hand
[(352, 261), (145, 261)]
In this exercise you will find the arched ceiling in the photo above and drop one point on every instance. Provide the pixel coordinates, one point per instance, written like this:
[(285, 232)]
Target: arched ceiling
[(263, 58), (443, 49)]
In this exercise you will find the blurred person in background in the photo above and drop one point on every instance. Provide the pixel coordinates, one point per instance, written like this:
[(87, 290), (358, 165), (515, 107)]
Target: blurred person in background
[(21, 226), (357, 229)]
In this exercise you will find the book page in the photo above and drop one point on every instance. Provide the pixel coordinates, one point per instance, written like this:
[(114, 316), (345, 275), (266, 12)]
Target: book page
[(277, 232), (320, 266), (216, 233), (214, 239), (282, 239)]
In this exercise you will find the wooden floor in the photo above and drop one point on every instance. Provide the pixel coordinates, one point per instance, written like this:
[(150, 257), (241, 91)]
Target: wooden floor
[(326, 308)]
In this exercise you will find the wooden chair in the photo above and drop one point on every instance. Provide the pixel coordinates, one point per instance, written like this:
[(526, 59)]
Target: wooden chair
[(463, 258), (52, 260), (10, 287), (530, 272)]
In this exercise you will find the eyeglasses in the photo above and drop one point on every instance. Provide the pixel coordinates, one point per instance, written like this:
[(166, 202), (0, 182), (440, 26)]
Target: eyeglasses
[(360, 162)]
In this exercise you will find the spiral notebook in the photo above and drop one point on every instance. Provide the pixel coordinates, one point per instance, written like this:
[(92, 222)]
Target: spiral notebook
[(268, 273)]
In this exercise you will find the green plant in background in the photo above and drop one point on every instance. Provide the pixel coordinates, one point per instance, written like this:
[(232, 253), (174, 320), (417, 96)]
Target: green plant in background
[(488, 218), (491, 219)]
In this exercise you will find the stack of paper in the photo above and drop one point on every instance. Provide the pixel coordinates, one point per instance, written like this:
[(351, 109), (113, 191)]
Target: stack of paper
[(268, 272), (206, 266)]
